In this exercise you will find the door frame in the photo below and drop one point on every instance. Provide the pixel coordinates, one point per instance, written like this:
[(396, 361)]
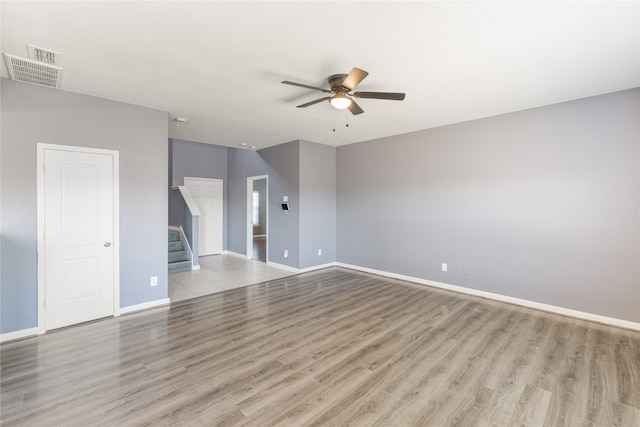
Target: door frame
[(249, 222), (41, 253)]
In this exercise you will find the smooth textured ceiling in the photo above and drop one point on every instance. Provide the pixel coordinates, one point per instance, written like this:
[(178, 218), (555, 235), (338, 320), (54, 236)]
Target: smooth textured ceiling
[(219, 64)]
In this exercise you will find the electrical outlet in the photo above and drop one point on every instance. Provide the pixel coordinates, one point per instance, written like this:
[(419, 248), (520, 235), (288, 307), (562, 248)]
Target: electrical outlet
[(286, 253), (444, 267), (466, 271), (153, 281), (319, 252)]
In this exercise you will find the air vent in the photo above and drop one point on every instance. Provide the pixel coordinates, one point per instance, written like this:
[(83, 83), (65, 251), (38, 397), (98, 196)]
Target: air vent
[(43, 55), (34, 72)]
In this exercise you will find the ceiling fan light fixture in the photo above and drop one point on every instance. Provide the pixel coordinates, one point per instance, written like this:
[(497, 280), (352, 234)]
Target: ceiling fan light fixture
[(340, 101), (341, 87)]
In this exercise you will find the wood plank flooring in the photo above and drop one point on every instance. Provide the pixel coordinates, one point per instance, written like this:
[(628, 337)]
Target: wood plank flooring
[(333, 347)]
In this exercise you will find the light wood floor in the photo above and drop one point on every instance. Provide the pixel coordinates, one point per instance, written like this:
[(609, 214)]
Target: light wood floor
[(327, 348)]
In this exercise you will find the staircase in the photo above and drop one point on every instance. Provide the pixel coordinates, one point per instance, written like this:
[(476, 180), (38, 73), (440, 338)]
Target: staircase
[(179, 257)]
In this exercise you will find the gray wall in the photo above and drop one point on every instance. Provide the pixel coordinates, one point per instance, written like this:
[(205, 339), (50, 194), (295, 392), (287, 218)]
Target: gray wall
[(540, 204), (194, 159), (32, 114), (282, 165), (317, 204), (241, 165), (310, 223)]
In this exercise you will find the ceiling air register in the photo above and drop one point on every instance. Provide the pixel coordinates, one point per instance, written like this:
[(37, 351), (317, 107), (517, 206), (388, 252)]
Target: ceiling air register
[(38, 71)]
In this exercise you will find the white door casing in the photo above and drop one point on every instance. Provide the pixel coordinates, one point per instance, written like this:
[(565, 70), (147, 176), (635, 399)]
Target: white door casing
[(249, 223), (208, 195), (77, 235)]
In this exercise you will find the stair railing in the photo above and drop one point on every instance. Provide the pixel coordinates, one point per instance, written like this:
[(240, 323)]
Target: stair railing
[(191, 220)]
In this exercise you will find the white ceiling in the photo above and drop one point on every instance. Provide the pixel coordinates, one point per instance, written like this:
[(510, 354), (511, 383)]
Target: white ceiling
[(220, 64)]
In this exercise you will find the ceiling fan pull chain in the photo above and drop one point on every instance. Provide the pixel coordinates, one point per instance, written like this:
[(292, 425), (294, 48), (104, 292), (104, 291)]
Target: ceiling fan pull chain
[(334, 120)]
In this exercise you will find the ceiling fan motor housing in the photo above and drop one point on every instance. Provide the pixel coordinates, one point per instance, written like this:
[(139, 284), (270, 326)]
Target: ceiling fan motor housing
[(335, 83)]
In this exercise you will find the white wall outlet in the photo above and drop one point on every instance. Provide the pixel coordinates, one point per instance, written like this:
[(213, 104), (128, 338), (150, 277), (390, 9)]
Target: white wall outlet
[(285, 199), (286, 253), (444, 267), (319, 252), (153, 281), (466, 271)]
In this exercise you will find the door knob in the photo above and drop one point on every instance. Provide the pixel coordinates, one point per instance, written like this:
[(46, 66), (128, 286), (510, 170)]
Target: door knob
[(107, 244)]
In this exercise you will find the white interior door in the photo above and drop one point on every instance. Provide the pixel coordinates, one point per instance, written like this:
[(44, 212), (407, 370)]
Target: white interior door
[(207, 194), (78, 236)]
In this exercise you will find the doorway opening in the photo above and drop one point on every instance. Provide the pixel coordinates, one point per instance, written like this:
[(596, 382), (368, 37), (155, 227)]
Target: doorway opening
[(257, 218)]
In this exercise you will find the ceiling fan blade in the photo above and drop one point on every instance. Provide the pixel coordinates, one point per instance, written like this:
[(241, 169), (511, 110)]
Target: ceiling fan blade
[(312, 102), (355, 108), (306, 86), (354, 78), (394, 96)]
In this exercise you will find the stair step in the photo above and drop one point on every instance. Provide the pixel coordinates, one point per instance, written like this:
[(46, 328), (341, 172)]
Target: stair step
[(176, 245), (174, 267), (178, 256)]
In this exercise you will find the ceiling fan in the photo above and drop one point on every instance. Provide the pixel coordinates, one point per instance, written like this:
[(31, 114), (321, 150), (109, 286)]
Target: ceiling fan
[(341, 96)]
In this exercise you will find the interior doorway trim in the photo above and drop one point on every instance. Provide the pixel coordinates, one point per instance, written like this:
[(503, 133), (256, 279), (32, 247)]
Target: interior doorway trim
[(249, 232), (40, 191)]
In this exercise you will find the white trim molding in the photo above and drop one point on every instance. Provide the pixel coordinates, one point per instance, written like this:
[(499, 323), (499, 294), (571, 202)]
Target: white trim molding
[(32, 332), (18, 335), (249, 208), (301, 270), (232, 253), (145, 306), (189, 201), (317, 267), (612, 321), (283, 267)]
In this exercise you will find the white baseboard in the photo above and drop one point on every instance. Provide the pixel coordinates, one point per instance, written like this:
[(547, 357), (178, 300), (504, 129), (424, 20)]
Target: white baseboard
[(17, 335), (145, 306), (503, 298), (317, 267), (283, 267), (25, 333), (301, 270), (235, 254)]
